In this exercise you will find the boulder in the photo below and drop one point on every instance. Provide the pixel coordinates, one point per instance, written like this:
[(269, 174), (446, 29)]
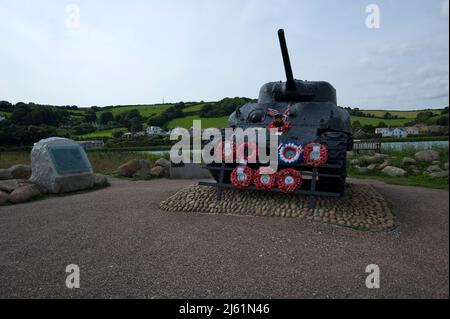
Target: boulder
[(414, 169), (3, 198), (408, 161), (394, 171), (439, 174), (427, 156), (100, 180), (143, 173), (61, 165), (24, 194), (446, 166), (5, 174), (380, 157), (157, 171), (162, 162), (9, 185), (20, 171), (350, 154), (129, 168), (383, 165), (361, 170), (436, 163), (372, 167), (354, 162), (434, 168)]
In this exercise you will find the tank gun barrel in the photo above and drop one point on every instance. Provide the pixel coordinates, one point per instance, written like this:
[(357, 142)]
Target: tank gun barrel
[(290, 82)]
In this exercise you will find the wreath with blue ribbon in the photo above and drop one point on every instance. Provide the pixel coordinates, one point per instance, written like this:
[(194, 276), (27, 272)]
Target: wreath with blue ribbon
[(290, 153)]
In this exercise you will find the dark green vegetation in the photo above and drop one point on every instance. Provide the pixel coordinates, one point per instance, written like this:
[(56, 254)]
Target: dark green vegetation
[(27, 123)]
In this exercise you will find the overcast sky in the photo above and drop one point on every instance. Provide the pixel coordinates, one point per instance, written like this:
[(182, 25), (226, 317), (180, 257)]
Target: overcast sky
[(139, 51)]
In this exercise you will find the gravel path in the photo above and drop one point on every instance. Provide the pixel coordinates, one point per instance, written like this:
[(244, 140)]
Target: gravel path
[(126, 246)]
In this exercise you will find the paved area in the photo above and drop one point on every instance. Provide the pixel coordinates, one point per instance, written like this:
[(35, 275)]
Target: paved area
[(126, 247)]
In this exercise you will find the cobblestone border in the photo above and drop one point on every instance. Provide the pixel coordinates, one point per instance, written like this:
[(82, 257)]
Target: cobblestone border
[(362, 208)]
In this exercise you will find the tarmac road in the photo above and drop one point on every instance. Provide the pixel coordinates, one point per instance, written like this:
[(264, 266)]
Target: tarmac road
[(126, 247)]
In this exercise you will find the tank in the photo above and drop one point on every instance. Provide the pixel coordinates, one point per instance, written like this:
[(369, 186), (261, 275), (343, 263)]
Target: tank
[(313, 117)]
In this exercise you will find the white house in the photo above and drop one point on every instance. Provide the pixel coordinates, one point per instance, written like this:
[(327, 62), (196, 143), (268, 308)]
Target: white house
[(2, 118), (154, 130), (397, 131)]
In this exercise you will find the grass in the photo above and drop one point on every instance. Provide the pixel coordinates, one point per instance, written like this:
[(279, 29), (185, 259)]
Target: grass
[(193, 108), (103, 162), (410, 179), (144, 110), (376, 121), (186, 122), (405, 114), (105, 133)]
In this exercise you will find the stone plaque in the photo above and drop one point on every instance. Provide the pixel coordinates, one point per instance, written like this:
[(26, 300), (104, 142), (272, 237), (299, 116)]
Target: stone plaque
[(69, 159)]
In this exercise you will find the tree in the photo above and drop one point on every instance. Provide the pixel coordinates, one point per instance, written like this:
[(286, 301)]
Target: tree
[(90, 116), (106, 117)]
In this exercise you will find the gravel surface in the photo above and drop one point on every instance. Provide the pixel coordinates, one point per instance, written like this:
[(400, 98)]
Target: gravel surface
[(361, 208), (126, 246)]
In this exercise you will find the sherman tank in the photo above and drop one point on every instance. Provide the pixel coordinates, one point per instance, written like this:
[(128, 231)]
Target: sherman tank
[(314, 117)]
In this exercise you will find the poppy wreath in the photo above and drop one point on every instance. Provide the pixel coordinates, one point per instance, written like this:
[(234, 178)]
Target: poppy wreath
[(290, 153), (283, 128), (252, 152), (225, 151), (264, 180), (241, 176), (289, 180), (315, 154)]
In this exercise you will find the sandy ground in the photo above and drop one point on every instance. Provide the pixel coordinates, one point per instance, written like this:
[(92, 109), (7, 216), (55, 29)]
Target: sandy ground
[(126, 246)]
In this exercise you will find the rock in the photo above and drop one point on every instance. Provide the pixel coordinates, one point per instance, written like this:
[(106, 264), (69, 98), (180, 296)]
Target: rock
[(100, 180), (162, 162), (9, 185), (24, 194), (394, 171), (434, 169), (61, 165), (446, 166), (383, 165), (427, 156), (3, 198), (372, 167), (436, 163), (143, 173), (350, 154), (439, 174), (380, 157), (5, 174), (369, 159), (20, 171), (408, 161), (129, 168), (157, 171), (354, 162)]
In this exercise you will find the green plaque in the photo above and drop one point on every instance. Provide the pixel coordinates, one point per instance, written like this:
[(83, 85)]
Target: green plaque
[(69, 159)]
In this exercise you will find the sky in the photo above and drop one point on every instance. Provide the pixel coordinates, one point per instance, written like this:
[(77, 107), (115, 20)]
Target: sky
[(110, 52)]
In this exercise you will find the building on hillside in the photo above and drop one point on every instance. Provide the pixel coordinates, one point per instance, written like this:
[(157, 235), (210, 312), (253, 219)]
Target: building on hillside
[(430, 129), (397, 131), (154, 130), (2, 118)]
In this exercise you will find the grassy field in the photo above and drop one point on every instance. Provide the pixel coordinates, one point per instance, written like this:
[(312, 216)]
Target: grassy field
[(376, 121), (193, 108), (405, 114), (106, 133), (186, 122), (144, 110), (103, 162)]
